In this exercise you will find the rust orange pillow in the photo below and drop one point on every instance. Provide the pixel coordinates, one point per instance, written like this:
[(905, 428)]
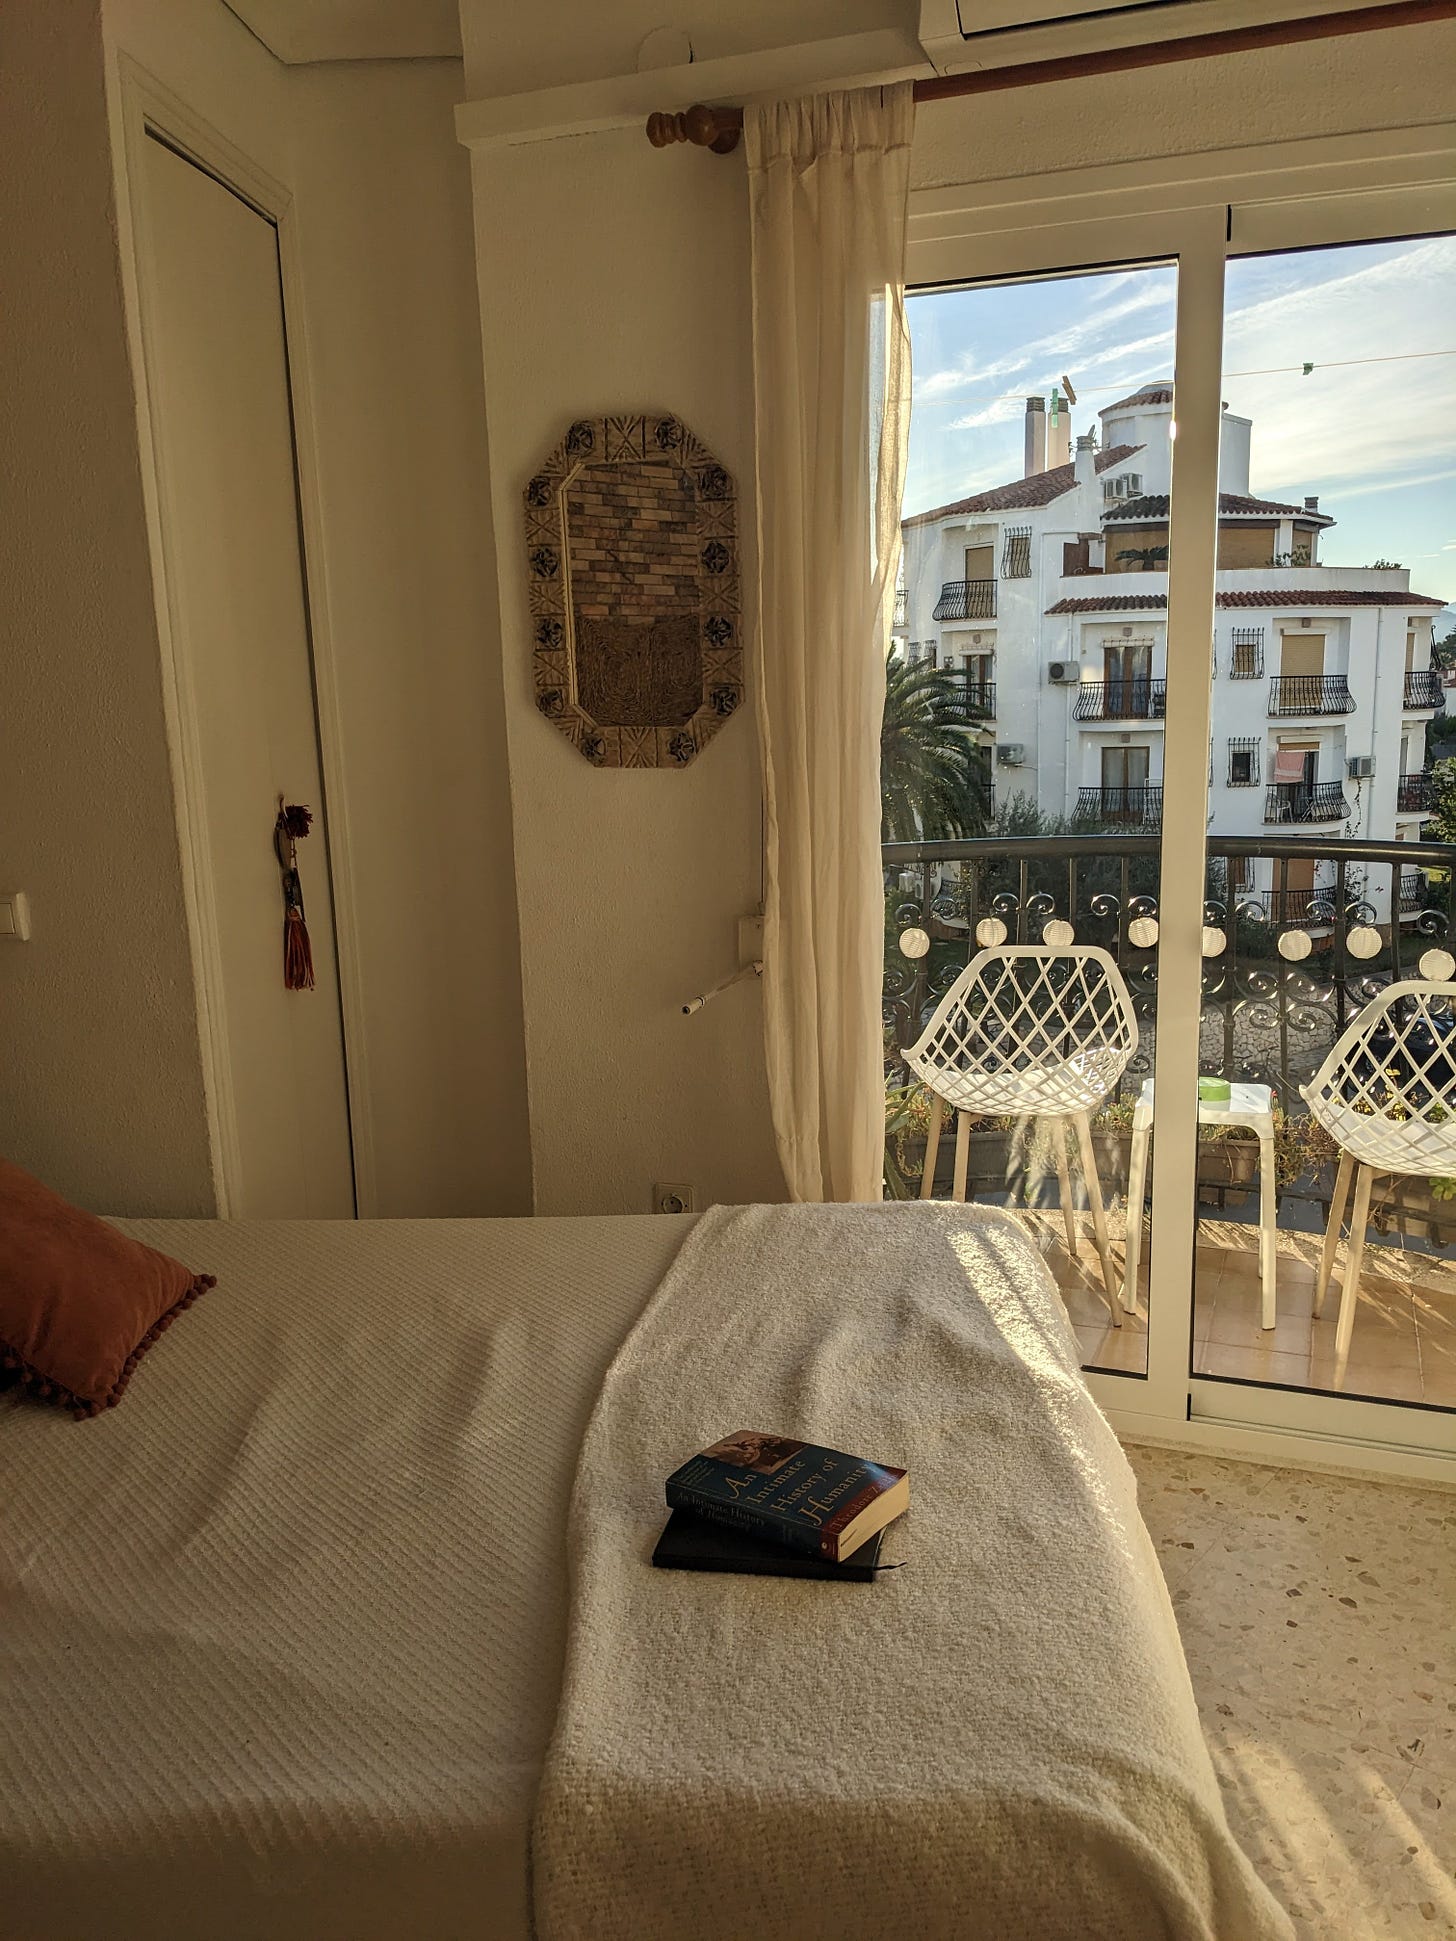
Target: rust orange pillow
[(80, 1304)]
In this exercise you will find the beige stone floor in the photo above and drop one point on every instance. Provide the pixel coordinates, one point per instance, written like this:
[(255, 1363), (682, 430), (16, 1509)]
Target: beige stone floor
[(1318, 1616), (1403, 1348)]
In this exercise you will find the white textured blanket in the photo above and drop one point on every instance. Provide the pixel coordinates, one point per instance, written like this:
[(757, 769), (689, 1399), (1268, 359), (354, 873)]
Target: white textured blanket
[(999, 1740)]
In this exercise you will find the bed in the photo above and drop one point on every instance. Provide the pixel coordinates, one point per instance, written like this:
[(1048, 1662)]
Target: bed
[(282, 1637)]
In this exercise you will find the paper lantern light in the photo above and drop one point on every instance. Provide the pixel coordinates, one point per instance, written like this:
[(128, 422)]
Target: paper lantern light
[(914, 943), (990, 931), (1142, 932), (1058, 933), (1363, 941), (1295, 946), (1215, 941), (1438, 966)]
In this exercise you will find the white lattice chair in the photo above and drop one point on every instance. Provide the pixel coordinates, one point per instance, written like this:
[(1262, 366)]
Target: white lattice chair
[(1040, 1031), (1386, 1094)]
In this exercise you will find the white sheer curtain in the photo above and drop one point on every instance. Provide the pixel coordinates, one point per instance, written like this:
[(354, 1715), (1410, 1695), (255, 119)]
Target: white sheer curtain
[(829, 188)]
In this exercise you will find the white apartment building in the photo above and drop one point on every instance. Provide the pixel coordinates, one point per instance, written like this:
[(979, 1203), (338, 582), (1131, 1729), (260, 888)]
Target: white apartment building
[(1049, 594)]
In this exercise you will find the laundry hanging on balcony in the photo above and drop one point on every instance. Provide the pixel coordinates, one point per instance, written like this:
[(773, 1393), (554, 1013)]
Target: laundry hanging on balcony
[(1289, 764)]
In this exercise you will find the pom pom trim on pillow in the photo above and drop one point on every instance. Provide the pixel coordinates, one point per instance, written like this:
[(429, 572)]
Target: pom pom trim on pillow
[(47, 1389)]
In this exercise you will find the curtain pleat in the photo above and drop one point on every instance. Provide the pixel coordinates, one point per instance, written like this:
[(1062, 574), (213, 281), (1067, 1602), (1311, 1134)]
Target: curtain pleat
[(829, 192)]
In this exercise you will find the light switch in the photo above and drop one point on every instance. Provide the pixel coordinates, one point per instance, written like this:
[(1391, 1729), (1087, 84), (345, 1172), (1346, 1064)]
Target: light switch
[(14, 915)]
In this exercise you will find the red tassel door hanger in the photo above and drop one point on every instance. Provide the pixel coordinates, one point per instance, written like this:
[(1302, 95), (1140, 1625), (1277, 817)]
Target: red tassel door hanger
[(288, 831)]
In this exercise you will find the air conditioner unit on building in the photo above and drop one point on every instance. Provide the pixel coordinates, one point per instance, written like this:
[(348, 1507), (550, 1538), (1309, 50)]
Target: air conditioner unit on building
[(1010, 754), (1064, 673), (1358, 767)]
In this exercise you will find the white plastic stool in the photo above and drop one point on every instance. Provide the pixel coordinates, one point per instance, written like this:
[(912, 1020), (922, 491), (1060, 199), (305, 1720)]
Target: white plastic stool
[(1247, 1105)]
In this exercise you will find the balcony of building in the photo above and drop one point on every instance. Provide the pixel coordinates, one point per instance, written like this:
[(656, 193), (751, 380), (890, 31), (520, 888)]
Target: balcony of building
[(1141, 804), (1413, 794), (1310, 694), (966, 600), (977, 697), (1422, 689), (1269, 1016), (1286, 802), (1134, 700)]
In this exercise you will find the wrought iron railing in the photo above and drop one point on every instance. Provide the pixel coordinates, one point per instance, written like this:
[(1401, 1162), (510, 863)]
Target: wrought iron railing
[(1121, 700), (1310, 694), (978, 698), (1267, 1017), (1305, 802), (1413, 794), (1140, 804), (966, 600), (1423, 688)]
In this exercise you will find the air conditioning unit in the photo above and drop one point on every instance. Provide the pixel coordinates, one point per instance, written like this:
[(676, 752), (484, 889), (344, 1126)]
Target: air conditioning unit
[(962, 34), (1010, 754), (1360, 767), (1064, 673)]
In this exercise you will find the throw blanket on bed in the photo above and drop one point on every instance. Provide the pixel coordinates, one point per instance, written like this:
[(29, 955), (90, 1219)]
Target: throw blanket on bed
[(999, 1740)]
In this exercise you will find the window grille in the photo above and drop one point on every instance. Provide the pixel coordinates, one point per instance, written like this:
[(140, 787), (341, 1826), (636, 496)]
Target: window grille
[(1246, 657), (1016, 553), (1243, 763)]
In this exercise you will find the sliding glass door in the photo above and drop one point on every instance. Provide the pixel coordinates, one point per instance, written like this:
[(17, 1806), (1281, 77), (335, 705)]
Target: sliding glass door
[(1196, 448)]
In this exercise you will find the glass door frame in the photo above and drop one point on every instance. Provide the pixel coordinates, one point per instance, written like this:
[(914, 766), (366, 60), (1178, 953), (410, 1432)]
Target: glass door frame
[(1198, 211)]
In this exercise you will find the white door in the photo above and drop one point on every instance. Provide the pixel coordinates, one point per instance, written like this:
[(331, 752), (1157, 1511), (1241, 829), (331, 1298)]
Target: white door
[(217, 373)]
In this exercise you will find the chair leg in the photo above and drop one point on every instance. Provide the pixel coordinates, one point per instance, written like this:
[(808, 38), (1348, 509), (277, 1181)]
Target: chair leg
[(962, 1155), (1338, 1198), (932, 1146), (1099, 1215), (1137, 1176), (1354, 1258), (1064, 1184)]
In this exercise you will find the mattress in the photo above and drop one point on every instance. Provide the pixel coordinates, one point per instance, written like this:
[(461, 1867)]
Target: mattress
[(281, 1636)]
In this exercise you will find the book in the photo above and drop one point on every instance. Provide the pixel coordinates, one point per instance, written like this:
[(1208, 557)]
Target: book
[(692, 1543), (806, 1498)]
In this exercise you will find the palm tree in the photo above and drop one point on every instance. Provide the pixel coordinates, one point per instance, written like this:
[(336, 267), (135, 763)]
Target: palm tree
[(932, 775)]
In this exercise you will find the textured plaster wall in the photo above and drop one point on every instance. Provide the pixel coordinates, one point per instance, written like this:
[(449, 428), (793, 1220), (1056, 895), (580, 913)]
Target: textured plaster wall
[(100, 1071), (610, 283)]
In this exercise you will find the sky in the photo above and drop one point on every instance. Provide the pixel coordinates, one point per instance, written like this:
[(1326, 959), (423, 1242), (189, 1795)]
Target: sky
[(1372, 429)]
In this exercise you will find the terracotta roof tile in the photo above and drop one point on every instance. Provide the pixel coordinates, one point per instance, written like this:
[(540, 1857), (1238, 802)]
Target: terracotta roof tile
[(1306, 599), (1154, 505), (1150, 394), (1040, 489)]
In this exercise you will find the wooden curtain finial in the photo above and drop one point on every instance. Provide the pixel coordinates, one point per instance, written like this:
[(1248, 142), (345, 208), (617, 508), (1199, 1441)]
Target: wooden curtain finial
[(718, 129)]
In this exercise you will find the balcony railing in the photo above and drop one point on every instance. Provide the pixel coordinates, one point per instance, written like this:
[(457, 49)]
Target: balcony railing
[(1302, 907), (1413, 794), (979, 699), (1310, 694), (1423, 688), (1134, 700), (1305, 802), (1414, 891), (966, 600), (1142, 804)]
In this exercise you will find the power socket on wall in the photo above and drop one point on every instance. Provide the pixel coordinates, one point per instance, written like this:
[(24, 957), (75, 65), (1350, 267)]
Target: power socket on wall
[(670, 1198)]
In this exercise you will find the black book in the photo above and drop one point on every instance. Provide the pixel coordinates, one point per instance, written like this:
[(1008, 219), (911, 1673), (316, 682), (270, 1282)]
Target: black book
[(692, 1543)]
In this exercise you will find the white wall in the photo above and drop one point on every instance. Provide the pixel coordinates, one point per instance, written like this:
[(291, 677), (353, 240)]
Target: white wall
[(100, 1080), (100, 1070), (611, 283)]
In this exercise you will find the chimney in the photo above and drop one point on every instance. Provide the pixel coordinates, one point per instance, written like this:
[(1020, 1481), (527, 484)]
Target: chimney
[(1085, 462), (1312, 505), (1059, 431), (1035, 436)]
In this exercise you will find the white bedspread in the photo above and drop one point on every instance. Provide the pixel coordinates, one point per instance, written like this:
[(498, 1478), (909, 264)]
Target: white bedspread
[(280, 1636), (999, 1740)]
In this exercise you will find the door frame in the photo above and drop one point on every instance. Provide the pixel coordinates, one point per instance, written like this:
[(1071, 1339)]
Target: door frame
[(1198, 210), (140, 103)]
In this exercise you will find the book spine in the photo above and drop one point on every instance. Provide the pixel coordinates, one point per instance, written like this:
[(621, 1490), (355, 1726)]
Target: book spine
[(804, 1539)]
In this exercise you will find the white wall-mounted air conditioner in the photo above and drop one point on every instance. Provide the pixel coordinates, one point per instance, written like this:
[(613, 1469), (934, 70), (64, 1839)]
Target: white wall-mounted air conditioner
[(959, 35), (1063, 673), (1360, 767), (1010, 754)]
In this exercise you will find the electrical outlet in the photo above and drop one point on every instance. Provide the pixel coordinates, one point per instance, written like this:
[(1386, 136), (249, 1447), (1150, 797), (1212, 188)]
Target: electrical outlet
[(670, 1198)]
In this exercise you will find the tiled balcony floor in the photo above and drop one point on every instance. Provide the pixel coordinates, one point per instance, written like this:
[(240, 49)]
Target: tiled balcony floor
[(1404, 1344)]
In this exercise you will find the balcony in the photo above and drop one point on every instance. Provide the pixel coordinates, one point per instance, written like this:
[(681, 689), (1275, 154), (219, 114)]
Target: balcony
[(1142, 805), (1121, 700), (1423, 689), (1305, 802), (1413, 794), (966, 600), (1415, 891), (1306, 908), (979, 699), (1305, 694)]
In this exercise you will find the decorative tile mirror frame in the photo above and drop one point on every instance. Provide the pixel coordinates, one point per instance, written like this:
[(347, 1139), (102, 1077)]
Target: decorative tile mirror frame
[(632, 571)]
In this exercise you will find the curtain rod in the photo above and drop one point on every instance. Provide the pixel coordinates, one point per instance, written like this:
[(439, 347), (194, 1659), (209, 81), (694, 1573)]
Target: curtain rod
[(719, 129)]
